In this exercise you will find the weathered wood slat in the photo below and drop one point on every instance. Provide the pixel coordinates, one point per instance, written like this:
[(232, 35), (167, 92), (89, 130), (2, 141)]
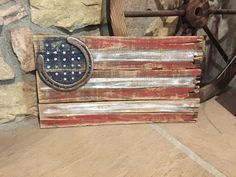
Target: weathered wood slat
[(139, 82), (156, 106), (53, 96), (64, 121), (117, 83), (145, 73), (150, 55), (138, 43), (134, 65)]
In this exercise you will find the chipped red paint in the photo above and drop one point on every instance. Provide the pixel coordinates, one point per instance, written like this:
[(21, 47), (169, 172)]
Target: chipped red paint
[(135, 77), (170, 43), (54, 96), (145, 73), (61, 121), (131, 65)]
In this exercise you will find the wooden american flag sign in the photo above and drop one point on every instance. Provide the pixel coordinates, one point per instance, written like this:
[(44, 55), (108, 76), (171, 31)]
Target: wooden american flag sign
[(134, 80)]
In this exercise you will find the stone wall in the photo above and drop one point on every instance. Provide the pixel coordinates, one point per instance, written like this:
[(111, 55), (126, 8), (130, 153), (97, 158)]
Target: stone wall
[(20, 19)]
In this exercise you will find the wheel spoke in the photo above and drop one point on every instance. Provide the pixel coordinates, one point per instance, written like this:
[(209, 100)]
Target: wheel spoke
[(216, 43)]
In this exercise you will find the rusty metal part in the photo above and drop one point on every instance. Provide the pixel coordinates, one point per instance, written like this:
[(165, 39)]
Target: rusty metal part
[(222, 11), (216, 43), (64, 64), (197, 13), (220, 83)]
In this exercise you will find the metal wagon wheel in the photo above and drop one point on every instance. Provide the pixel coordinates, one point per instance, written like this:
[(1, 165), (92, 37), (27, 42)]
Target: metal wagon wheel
[(195, 14)]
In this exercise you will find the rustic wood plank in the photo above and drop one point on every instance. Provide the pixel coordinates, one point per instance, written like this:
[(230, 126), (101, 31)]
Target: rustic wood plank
[(53, 96), (145, 73), (137, 43), (150, 55), (134, 65), (64, 121), (176, 42), (117, 18), (111, 107), (116, 83)]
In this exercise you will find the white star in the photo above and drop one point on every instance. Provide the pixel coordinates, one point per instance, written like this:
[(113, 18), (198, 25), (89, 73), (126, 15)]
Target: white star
[(78, 58), (79, 72), (55, 52), (46, 44), (48, 59), (73, 78), (55, 59), (48, 66), (65, 79), (72, 59), (72, 65), (64, 59), (64, 52), (56, 74), (72, 72), (48, 52), (64, 66), (73, 52), (65, 73), (63, 45)]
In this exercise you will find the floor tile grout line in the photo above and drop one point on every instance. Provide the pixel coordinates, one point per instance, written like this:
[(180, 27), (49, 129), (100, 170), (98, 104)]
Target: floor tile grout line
[(187, 151)]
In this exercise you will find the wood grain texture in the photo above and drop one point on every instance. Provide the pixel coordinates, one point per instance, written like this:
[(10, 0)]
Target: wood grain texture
[(146, 55), (135, 80), (48, 95), (143, 65), (82, 120), (139, 43), (189, 105), (145, 73), (117, 17), (61, 115), (116, 83)]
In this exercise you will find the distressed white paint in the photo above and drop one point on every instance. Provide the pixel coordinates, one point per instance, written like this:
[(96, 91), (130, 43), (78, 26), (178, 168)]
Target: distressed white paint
[(159, 106), (116, 83), (150, 55)]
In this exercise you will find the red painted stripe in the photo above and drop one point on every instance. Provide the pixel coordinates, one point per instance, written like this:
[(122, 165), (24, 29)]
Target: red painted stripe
[(144, 65), (116, 118), (180, 43), (54, 96), (145, 73)]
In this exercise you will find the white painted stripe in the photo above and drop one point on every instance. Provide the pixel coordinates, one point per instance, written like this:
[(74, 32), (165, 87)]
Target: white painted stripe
[(162, 106), (187, 151), (116, 83), (159, 55), (139, 82)]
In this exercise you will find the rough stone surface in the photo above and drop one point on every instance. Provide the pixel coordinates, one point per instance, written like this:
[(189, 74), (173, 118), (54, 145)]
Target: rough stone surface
[(12, 12), (18, 101), (168, 4), (6, 72), (22, 43), (162, 27), (70, 15)]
